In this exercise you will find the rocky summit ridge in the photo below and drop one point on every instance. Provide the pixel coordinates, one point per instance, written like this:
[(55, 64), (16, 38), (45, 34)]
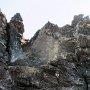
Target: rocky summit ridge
[(55, 58)]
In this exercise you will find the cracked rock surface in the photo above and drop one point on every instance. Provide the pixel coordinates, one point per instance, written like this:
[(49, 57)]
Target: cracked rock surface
[(55, 58)]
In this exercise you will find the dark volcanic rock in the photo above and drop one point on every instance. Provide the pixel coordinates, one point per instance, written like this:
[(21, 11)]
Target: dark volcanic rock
[(56, 58), (62, 55), (6, 82), (3, 36), (16, 29)]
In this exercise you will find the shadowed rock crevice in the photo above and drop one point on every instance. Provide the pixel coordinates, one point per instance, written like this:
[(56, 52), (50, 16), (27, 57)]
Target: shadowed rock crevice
[(86, 83), (8, 42)]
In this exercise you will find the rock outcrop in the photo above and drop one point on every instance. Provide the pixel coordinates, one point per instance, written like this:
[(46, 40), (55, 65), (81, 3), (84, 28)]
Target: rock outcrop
[(16, 29), (56, 58)]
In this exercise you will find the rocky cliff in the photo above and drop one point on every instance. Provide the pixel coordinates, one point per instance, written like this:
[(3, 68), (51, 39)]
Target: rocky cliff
[(55, 58)]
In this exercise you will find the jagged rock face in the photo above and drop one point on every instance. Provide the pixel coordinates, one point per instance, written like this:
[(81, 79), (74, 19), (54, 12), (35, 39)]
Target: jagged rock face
[(3, 36), (10, 47), (56, 58), (16, 29), (62, 54), (45, 44)]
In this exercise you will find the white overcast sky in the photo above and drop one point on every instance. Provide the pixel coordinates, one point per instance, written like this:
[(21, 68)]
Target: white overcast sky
[(36, 13)]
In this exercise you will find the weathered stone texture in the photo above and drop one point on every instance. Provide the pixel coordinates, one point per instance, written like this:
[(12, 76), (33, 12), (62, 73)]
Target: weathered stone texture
[(56, 58)]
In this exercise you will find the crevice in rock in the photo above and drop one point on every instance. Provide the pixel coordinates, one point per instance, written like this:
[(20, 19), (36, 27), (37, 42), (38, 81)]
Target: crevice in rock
[(29, 85), (8, 42), (86, 83)]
